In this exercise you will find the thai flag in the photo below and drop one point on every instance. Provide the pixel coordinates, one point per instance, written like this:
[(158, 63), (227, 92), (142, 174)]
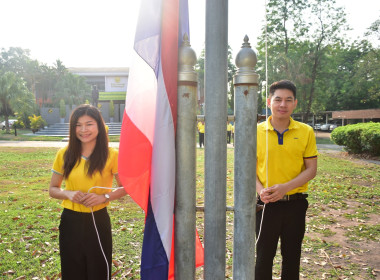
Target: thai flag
[(147, 141)]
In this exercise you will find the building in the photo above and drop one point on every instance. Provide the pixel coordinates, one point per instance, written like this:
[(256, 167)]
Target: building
[(107, 79), (111, 83), (356, 116)]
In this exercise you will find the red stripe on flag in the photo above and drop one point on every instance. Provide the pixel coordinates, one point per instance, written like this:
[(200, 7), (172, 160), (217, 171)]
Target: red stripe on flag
[(169, 52), (169, 62), (135, 156)]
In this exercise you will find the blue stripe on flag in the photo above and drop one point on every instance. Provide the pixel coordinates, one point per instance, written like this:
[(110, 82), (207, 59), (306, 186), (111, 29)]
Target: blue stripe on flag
[(148, 32), (154, 262)]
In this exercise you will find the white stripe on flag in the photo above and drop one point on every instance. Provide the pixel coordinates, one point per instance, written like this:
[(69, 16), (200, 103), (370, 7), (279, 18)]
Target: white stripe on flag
[(163, 167), (140, 103)]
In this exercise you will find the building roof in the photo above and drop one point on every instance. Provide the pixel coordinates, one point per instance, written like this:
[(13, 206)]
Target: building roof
[(357, 114), (99, 71)]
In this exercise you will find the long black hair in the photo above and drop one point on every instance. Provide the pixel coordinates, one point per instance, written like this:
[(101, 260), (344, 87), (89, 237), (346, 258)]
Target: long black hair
[(97, 160)]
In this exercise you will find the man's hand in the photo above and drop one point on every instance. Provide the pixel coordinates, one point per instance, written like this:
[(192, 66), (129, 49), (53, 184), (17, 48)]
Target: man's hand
[(273, 194)]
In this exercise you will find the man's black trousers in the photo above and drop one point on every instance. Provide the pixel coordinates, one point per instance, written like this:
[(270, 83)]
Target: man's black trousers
[(284, 220)]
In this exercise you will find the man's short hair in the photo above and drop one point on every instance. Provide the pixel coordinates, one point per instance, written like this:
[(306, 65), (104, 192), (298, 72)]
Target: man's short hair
[(283, 84)]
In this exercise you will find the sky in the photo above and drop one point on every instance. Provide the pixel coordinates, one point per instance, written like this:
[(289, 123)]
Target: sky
[(95, 33)]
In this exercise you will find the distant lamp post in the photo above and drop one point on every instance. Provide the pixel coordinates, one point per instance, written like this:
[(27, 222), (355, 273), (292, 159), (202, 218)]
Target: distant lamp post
[(62, 110), (111, 110), (95, 95), (15, 125)]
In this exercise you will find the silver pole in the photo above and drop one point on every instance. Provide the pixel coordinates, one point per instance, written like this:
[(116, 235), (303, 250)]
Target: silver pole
[(215, 138), (246, 87), (185, 196)]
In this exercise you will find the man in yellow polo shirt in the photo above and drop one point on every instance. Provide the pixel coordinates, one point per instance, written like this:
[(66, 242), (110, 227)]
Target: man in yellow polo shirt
[(286, 162)]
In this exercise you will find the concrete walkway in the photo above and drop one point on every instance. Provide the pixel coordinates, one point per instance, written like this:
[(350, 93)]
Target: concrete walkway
[(54, 144)]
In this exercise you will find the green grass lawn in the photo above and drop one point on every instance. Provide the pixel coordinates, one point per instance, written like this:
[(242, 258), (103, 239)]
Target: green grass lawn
[(324, 141), (29, 219), (26, 135)]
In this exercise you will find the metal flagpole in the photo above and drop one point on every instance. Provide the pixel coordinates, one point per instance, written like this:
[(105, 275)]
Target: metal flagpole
[(185, 215), (215, 138), (246, 88)]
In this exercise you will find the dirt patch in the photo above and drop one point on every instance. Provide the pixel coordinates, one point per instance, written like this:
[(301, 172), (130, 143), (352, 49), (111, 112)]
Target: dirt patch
[(322, 134), (358, 158), (345, 253)]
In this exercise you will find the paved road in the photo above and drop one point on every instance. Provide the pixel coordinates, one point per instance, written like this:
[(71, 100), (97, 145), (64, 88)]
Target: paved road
[(327, 148), (59, 144)]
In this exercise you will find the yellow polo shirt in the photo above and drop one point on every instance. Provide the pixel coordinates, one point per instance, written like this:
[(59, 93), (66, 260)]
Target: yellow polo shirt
[(229, 127), (201, 127), (286, 153), (79, 181)]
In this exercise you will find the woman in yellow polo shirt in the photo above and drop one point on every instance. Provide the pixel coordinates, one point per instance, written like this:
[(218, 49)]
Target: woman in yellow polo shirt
[(86, 162)]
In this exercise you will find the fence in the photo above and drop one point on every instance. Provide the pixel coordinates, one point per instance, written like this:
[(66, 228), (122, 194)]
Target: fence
[(246, 87)]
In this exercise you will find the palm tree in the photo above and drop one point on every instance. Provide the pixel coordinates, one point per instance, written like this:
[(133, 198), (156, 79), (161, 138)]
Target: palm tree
[(14, 96)]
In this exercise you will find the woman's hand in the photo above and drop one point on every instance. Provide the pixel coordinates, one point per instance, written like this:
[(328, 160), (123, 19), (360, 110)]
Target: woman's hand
[(92, 199), (75, 196)]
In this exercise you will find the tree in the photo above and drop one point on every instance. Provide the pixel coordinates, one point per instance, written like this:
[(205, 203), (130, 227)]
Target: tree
[(59, 68), (300, 35), (14, 96), (231, 73), (32, 75), (45, 89), (200, 69), (366, 80), (14, 60), (72, 88), (374, 31)]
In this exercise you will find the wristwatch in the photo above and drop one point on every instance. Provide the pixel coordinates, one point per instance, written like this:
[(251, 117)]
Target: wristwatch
[(107, 196)]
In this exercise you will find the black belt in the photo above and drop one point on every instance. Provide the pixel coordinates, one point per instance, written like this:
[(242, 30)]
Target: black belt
[(294, 196)]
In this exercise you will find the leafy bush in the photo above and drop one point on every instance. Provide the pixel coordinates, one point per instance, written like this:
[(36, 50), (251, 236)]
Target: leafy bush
[(37, 122), (19, 123), (358, 138), (338, 135), (370, 139)]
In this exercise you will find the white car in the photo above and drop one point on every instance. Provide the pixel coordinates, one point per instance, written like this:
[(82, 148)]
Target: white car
[(11, 122), (325, 127), (333, 126)]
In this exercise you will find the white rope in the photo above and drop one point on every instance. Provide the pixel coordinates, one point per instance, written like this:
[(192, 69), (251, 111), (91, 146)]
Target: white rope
[(96, 229), (266, 114)]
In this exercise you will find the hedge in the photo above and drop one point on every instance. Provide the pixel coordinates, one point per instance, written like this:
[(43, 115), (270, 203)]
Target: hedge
[(358, 138)]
